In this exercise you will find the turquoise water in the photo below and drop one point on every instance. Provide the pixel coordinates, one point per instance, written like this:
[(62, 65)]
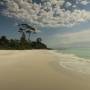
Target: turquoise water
[(80, 52)]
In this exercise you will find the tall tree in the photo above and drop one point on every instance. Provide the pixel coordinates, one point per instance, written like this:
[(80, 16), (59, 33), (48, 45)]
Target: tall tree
[(25, 28), (23, 42)]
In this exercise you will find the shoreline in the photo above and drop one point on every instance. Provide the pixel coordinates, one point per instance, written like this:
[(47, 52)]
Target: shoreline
[(71, 62), (38, 70)]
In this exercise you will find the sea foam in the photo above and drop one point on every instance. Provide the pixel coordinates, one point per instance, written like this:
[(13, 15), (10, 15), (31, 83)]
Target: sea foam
[(73, 62)]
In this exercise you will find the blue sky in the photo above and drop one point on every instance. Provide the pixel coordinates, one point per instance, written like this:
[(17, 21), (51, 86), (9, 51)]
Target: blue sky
[(7, 27), (60, 36)]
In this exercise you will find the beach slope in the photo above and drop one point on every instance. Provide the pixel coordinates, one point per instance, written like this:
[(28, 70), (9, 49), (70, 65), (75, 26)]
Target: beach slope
[(37, 70)]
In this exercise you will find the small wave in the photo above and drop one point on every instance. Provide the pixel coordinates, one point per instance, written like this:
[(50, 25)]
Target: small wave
[(73, 62)]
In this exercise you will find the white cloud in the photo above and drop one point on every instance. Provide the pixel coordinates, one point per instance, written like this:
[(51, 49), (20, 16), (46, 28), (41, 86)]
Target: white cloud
[(76, 37), (44, 15), (68, 4), (84, 2)]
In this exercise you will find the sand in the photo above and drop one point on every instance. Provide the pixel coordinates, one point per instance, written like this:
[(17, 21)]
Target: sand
[(37, 70)]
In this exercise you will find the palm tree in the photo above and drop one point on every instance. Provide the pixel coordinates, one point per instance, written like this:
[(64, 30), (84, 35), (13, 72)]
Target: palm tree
[(21, 29), (29, 31), (25, 28)]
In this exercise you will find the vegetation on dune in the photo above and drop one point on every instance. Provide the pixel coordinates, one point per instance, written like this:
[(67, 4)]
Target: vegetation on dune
[(24, 42)]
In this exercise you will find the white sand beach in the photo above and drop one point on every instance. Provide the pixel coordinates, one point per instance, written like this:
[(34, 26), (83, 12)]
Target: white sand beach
[(38, 70)]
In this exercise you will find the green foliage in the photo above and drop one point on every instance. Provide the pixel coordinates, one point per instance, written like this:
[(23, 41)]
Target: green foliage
[(13, 44), (4, 42), (39, 40), (38, 44), (25, 30), (22, 44)]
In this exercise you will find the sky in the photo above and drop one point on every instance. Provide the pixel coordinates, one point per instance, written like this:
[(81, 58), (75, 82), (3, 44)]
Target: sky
[(68, 26)]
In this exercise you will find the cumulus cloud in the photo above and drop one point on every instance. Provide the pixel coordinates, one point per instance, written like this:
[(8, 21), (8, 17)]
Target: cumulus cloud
[(48, 14), (84, 2)]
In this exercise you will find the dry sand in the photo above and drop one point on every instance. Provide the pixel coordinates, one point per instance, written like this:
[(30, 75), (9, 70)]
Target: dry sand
[(37, 70)]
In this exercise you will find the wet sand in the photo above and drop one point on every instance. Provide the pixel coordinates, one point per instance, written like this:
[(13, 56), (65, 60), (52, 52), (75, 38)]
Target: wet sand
[(37, 70)]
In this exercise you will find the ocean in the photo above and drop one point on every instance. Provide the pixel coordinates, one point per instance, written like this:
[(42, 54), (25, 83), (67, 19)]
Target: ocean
[(74, 59), (80, 52)]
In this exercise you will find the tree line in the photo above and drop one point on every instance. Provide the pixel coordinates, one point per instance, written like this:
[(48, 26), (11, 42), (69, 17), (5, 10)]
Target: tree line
[(23, 43)]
